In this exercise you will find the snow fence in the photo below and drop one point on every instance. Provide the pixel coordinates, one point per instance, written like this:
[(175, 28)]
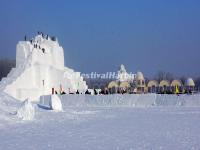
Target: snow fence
[(130, 100)]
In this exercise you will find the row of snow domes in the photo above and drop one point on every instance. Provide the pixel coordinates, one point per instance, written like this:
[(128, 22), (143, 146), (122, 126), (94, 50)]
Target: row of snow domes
[(141, 83), (140, 77), (188, 81)]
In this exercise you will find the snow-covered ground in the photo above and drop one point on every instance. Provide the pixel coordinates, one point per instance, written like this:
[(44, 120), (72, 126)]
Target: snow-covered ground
[(105, 122)]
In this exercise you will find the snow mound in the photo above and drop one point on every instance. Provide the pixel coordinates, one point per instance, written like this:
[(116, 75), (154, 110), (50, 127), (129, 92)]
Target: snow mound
[(8, 107), (26, 111), (55, 103)]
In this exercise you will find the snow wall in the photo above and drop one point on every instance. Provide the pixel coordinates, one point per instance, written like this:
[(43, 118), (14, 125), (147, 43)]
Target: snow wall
[(135, 100), (51, 102)]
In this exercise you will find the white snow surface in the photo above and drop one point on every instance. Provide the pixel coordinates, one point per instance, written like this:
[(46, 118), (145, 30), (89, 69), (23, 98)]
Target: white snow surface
[(26, 111), (106, 123)]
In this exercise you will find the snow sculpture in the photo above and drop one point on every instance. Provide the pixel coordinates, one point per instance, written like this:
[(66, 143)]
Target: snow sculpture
[(27, 111), (39, 69), (123, 76)]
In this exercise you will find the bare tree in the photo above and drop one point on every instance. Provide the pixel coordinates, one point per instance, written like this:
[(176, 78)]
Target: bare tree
[(161, 75), (169, 76), (197, 83), (183, 79)]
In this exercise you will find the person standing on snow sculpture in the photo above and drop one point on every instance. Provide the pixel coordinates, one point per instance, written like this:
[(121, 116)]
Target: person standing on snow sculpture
[(42, 34), (43, 50), (52, 91)]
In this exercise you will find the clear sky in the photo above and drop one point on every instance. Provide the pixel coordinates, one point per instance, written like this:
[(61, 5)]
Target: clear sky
[(99, 35)]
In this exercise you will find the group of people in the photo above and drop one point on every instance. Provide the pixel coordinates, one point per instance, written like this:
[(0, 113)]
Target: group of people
[(88, 92), (45, 36), (102, 92), (36, 45)]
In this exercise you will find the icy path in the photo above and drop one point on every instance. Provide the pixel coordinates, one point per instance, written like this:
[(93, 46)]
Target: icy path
[(95, 128)]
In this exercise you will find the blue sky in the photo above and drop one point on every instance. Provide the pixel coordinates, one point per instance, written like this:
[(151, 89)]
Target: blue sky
[(100, 35)]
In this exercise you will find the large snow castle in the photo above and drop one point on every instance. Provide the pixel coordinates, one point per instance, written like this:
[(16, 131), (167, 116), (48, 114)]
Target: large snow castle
[(40, 69)]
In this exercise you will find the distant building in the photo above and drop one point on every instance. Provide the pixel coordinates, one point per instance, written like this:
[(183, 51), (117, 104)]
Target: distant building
[(189, 85), (153, 86), (138, 84), (127, 83), (177, 84), (166, 86)]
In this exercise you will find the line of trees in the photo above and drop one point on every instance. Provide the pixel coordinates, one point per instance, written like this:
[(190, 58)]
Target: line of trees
[(161, 75), (5, 66)]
